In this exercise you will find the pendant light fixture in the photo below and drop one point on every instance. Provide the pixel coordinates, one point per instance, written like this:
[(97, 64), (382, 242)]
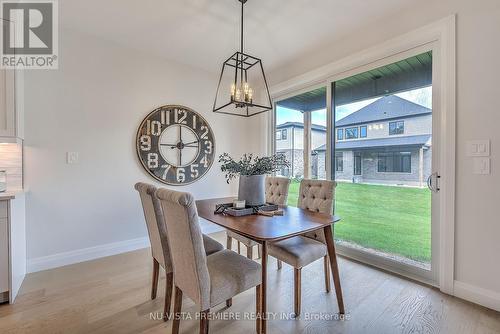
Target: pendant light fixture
[(242, 88)]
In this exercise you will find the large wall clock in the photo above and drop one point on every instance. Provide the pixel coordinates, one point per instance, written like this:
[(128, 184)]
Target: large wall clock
[(175, 145)]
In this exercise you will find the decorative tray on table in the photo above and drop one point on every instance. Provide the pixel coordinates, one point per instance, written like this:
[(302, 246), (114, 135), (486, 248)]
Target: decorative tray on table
[(229, 209)]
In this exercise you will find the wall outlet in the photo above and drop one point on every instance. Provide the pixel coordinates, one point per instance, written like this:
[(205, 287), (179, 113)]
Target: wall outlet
[(72, 157), (482, 166), (478, 148)]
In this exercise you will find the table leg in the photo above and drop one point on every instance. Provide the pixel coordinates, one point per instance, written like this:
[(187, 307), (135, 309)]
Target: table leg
[(263, 286), (334, 266)]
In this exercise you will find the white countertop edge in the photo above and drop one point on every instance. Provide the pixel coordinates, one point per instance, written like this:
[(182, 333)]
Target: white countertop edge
[(10, 194)]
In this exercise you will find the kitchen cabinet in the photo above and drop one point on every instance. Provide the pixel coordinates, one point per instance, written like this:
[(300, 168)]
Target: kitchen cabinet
[(12, 244)]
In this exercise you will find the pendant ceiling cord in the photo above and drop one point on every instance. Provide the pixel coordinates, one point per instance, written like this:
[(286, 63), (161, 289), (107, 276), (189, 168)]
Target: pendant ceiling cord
[(242, 4), (241, 64), (241, 93)]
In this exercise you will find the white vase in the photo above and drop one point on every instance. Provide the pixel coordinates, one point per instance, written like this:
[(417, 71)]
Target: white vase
[(252, 189)]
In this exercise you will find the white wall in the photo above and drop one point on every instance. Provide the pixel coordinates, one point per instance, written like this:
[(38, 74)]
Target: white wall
[(93, 105), (477, 245)]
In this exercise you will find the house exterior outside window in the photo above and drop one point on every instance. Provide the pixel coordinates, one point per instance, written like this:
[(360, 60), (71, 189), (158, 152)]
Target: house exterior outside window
[(378, 157), (386, 142)]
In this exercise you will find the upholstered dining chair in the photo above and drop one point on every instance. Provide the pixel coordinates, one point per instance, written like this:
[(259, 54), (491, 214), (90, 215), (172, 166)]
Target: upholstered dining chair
[(276, 193), (316, 196), (207, 280), (159, 245)]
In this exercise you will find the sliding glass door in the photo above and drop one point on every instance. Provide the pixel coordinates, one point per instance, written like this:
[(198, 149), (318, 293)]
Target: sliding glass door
[(373, 135), (383, 121)]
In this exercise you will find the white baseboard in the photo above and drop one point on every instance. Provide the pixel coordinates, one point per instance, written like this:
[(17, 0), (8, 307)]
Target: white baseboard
[(484, 297), (85, 254), (91, 253)]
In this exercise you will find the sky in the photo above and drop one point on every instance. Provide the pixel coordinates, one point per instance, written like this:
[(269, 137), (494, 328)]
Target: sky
[(422, 96)]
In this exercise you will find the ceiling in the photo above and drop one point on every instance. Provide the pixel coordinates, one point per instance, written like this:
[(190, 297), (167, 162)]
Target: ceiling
[(203, 33)]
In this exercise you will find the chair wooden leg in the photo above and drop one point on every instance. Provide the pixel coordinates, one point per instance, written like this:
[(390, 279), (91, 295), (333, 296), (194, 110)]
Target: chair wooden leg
[(204, 322), (229, 242), (327, 274), (332, 256), (280, 265), (258, 307), (154, 283), (263, 290), (229, 302), (177, 311), (169, 285), (297, 292), (250, 252), (239, 247)]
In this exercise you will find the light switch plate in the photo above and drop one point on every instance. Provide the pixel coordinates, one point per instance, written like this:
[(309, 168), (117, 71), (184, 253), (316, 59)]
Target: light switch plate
[(72, 157), (478, 148), (482, 166)]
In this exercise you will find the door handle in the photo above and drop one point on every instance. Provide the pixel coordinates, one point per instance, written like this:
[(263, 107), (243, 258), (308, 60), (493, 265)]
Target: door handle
[(430, 183)]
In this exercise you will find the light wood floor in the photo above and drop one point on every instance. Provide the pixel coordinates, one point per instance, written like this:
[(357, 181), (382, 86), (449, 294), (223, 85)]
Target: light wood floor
[(111, 295)]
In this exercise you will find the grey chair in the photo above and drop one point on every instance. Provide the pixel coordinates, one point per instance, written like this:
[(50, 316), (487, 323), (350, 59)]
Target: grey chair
[(207, 280), (317, 196), (276, 193), (159, 245)]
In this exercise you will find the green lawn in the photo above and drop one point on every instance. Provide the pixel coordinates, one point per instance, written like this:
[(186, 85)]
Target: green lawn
[(394, 220)]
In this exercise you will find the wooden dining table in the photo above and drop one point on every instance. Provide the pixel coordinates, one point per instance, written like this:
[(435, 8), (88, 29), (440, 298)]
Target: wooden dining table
[(264, 229)]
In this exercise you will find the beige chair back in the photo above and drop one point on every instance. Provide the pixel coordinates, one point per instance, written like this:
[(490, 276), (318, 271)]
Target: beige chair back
[(155, 224), (277, 190), (317, 196), (186, 245)]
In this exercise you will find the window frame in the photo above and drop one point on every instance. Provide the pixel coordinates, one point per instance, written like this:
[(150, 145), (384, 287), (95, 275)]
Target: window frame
[(339, 167), (341, 132), (352, 128), (357, 171), (396, 128), (382, 156), (361, 131)]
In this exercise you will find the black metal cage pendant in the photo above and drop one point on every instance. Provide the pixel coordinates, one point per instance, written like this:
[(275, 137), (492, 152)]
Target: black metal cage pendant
[(242, 88)]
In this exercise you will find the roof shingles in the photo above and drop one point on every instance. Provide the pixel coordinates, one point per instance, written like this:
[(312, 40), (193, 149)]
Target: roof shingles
[(387, 107)]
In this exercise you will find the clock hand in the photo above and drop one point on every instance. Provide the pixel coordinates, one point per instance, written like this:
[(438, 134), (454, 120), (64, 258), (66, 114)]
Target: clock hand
[(191, 142)]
